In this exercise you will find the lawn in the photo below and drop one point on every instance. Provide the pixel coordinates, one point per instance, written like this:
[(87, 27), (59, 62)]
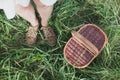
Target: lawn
[(19, 61)]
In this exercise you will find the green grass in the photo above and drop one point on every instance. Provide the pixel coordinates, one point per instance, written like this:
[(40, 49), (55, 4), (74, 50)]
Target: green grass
[(18, 61)]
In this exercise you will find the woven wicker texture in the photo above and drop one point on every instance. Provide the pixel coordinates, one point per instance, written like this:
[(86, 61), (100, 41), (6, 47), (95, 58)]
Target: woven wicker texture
[(84, 45), (94, 35)]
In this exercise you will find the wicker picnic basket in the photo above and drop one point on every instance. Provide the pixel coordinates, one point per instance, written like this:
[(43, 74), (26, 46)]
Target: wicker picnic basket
[(84, 45)]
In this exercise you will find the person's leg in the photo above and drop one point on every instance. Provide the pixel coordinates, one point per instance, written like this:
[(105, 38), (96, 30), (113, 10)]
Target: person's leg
[(28, 14), (45, 13)]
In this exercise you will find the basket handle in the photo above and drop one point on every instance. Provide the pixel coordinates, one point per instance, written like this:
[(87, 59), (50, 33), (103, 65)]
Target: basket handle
[(86, 43)]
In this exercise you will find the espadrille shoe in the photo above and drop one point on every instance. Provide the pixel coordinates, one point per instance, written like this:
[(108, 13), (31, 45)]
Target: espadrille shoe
[(31, 35), (49, 35)]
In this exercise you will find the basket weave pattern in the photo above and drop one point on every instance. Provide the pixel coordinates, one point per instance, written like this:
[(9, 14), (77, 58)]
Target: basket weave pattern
[(84, 45)]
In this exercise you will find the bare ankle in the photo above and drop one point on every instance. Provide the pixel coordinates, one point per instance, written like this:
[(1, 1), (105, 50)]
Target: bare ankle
[(44, 23), (34, 22)]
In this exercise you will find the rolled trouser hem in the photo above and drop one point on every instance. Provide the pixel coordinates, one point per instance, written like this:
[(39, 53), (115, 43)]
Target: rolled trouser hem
[(48, 2), (23, 3)]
